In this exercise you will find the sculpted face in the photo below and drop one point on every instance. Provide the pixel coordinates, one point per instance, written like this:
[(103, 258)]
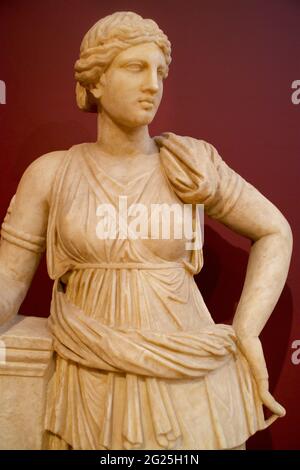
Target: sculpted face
[(131, 88)]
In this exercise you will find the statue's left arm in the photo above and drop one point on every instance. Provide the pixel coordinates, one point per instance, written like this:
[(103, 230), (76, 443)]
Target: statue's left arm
[(255, 217), (241, 207)]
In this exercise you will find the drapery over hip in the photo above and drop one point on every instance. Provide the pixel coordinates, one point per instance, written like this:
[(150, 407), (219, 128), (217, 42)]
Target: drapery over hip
[(178, 355)]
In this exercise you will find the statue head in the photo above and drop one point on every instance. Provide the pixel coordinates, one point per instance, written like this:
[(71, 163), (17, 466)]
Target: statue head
[(119, 43)]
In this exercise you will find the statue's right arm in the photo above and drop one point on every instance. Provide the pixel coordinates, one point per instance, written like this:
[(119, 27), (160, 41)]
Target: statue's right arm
[(24, 232)]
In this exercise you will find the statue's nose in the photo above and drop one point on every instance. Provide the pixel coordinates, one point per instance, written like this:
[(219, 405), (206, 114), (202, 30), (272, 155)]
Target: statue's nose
[(151, 81)]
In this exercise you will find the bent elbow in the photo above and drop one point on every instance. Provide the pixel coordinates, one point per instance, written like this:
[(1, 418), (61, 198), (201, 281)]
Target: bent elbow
[(285, 232)]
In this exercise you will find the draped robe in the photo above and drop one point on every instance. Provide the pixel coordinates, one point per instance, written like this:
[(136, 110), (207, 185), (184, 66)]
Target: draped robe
[(140, 363)]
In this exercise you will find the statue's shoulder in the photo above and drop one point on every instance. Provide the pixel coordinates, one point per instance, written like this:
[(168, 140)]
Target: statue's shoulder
[(47, 161), (39, 176), (45, 167), (189, 140), (46, 173), (200, 147)]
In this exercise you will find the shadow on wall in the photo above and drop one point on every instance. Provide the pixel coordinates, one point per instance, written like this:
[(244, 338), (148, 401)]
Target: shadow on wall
[(221, 282)]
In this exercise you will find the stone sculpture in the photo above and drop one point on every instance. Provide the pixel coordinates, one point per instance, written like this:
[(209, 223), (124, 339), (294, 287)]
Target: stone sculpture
[(140, 364)]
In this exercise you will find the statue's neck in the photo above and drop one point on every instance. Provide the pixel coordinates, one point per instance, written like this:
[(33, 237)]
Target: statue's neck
[(115, 139)]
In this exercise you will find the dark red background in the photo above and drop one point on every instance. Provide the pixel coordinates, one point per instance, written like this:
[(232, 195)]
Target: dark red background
[(230, 83)]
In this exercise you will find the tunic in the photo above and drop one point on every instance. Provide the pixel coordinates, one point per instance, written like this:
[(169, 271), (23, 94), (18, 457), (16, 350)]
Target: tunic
[(140, 363)]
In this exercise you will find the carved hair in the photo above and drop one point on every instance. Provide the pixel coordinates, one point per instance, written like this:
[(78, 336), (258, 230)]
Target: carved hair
[(104, 41)]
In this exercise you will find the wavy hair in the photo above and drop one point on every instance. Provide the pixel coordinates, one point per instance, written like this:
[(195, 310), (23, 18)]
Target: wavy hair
[(104, 41)]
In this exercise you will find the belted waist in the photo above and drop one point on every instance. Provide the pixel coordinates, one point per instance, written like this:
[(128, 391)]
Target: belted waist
[(129, 265)]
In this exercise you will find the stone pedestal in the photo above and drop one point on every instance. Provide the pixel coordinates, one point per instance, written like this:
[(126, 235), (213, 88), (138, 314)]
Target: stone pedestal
[(26, 365)]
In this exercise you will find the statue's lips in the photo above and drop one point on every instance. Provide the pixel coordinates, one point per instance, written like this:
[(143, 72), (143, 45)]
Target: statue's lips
[(147, 102)]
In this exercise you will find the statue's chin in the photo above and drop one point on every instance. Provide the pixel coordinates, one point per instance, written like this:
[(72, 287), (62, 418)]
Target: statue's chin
[(132, 117), (141, 120), (136, 123)]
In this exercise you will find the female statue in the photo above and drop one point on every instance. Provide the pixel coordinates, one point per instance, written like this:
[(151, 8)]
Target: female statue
[(140, 364)]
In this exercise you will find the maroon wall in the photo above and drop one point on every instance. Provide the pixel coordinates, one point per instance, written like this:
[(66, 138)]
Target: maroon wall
[(229, 83)]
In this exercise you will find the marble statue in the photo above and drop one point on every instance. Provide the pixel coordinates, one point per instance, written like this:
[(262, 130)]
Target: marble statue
[(140, 363)]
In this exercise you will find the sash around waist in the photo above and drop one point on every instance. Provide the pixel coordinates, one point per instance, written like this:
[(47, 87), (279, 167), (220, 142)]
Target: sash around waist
[(129, 265), (172, 355)]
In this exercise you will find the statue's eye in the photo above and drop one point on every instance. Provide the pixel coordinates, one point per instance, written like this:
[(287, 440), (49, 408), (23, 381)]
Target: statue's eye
[(134, 67)]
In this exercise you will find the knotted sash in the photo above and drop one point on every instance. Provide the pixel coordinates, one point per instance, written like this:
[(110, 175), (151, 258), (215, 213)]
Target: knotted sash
[(179, 355)]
